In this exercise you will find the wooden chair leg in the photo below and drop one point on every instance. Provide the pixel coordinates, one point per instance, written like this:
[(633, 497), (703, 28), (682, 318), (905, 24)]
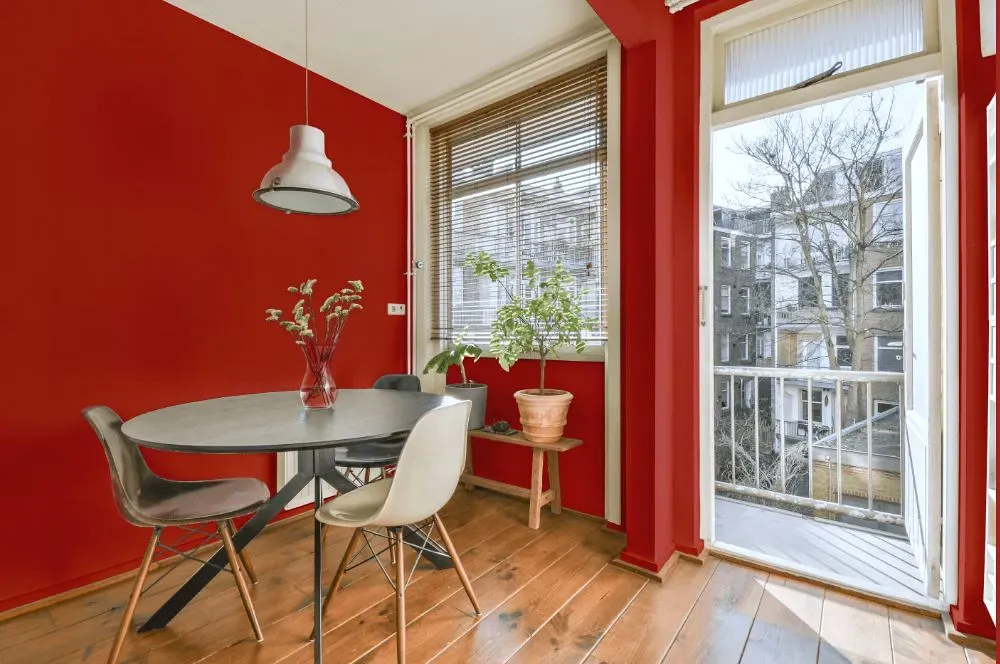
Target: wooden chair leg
[(234, 563), (468, 462), (535, 498), (339, 576), (400, 599), (553, 460), (133, 599), (459, 568), (244, 556)]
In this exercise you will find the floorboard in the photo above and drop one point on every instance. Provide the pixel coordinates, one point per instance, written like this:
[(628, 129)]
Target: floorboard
[(854, 631), (716, 631), (548, 597)]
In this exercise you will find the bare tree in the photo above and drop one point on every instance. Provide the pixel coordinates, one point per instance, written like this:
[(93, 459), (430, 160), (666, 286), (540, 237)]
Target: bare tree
[(744, 472), (826, 178)]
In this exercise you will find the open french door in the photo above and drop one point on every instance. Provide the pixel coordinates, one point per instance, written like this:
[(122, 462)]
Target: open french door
[(923, 351)]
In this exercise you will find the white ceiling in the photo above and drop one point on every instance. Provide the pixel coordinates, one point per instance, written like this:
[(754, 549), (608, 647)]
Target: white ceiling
[(404, 54)]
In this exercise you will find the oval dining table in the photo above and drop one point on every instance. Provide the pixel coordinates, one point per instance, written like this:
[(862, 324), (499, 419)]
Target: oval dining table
[(276, 422)]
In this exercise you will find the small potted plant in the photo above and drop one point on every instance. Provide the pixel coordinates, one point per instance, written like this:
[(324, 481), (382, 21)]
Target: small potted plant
[(542, 318), (454, 356), (318, 343)]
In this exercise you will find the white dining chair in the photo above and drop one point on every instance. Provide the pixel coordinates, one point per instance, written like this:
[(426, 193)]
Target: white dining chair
[(426, 477)]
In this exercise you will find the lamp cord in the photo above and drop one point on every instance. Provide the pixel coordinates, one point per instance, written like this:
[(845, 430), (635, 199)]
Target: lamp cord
[(306, 2)]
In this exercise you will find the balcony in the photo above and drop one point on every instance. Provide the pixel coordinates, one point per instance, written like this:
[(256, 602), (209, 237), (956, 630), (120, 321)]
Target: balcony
[(817, 482), (779, 457)]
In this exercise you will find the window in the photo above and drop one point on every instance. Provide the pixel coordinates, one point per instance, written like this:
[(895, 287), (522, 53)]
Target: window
[(873, 175), (765, 346), (808, 293), (524, 179), (744, 255), (746, 387), (726, 300), (812, 354), (726, 251), (724, 395), (841, 292), (745, 354), (724, 348), (744, 294), (763, 255), (884, 406), (887, 222), (854, 33), (889, 353), (845, 354), (889, 289), (815, 406)]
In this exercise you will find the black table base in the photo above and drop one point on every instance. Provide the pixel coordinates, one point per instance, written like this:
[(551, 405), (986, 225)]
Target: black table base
[(313, 466)]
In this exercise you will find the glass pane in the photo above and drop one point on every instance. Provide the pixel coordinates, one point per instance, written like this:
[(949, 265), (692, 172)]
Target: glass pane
[(855, 33), (824, 231)]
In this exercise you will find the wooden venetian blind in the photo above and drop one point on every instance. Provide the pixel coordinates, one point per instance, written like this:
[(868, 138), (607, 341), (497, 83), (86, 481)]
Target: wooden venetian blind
[(523, 179)]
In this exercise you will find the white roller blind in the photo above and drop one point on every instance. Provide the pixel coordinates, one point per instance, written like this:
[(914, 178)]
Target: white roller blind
[(523, 179), (857, 33)]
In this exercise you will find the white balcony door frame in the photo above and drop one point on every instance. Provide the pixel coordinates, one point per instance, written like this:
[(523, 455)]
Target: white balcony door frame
[(922, 346), (943, 63)]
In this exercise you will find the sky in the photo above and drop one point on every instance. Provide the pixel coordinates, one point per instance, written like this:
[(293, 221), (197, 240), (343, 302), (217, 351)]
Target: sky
[(729, 167)]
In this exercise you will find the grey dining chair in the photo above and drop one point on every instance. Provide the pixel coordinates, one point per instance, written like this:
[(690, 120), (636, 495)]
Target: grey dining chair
[(144, 499), (361, 459), (426, 477)]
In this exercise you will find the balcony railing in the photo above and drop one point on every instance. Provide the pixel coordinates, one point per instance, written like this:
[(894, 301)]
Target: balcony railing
[(768, 444)]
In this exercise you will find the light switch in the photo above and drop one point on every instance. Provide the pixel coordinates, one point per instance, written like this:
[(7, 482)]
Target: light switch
[(397, 309)]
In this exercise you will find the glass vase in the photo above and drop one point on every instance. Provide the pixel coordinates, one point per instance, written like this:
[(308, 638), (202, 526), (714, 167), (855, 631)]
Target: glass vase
[(318, 389)]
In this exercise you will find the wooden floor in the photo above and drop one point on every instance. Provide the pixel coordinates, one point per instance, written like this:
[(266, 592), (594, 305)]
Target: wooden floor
[(547, 596), (882, 564)]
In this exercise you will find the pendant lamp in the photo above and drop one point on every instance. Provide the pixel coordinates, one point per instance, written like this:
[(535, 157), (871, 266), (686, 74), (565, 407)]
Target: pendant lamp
[(305, 182)]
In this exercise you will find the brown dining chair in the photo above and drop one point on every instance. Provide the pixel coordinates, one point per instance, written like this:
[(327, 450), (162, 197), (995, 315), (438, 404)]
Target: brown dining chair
[(149, 501)]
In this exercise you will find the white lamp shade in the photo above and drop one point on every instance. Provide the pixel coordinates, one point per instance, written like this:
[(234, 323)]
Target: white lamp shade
[(304, 182)]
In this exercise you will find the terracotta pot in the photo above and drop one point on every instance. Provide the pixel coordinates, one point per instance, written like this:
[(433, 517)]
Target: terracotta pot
[(543, 416)]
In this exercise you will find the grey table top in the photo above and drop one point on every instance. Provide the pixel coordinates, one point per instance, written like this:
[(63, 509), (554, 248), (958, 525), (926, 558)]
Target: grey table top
[(277, 422)]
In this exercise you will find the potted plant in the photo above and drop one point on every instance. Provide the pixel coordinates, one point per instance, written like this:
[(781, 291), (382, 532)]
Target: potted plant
[(454, 356), (318, 343), (542, 318)]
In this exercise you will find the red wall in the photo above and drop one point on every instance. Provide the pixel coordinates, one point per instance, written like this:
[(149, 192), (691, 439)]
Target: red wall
[(581, 471), (136, 267), (660, 106), (976, 85)]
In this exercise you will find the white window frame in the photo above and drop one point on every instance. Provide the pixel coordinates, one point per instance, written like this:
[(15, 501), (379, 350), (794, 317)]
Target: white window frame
[(418, 266), (837, 347), (759, 14), (725, 399), (743, 293), (765, 346), (726, 250), (745, 260), (943, 62), (745, 355), (876, 283), (726, 300), (724, 348), (878, 219), (879, 346)]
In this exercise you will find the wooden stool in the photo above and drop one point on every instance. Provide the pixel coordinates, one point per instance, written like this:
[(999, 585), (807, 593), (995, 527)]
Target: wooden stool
[(536, 497)]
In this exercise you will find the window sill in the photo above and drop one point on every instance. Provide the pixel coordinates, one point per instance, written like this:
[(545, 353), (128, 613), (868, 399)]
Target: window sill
[(593, 353)]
